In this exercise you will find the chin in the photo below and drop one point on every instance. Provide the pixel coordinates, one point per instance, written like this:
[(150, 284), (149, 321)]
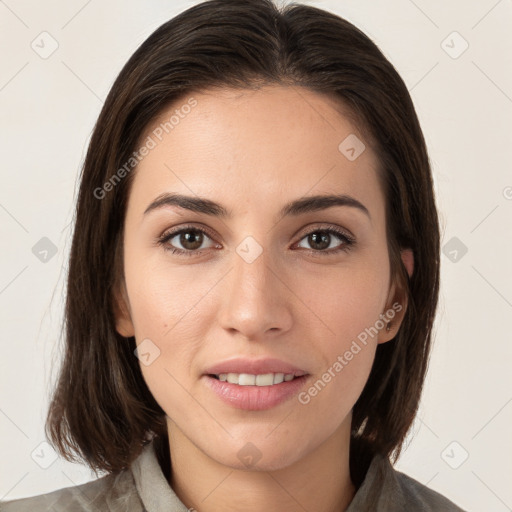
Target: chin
[(258, 456)]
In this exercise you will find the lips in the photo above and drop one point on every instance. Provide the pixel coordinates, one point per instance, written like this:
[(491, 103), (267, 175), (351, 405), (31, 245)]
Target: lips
[(254, 367), (254, 398)]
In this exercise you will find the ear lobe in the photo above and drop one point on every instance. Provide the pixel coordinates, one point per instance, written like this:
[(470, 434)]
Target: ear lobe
[(394, 314), (408, 260), (124, 324)]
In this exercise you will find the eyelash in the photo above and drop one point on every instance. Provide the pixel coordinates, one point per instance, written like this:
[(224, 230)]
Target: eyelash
[(348, 241)]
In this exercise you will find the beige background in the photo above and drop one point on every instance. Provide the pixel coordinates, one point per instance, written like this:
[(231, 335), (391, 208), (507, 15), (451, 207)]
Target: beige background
[(464, 101)]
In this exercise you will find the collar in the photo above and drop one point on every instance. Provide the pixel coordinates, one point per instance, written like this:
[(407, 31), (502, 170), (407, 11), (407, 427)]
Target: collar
[(155, 492)]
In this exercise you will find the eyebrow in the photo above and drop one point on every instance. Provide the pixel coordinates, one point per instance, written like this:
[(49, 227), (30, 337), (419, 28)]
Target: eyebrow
[(294, 208)]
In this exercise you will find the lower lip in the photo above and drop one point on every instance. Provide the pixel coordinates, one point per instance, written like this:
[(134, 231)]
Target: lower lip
[(255, 398)]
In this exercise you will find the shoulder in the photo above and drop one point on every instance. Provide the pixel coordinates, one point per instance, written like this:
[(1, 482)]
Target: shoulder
[(388, 490), (417, 496), (114, 492)]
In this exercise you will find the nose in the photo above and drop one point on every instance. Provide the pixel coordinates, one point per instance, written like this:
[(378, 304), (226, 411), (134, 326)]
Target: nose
[(257, 298)]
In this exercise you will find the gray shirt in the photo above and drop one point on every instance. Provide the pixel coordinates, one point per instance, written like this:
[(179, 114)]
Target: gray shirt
[(144, 488)]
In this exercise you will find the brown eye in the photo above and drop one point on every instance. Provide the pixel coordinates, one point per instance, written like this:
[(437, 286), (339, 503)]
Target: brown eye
[(321, 239), (190, 240), (186, 241)]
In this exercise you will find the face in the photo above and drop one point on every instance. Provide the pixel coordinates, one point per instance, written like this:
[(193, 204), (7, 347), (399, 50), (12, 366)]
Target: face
[(302, 288)]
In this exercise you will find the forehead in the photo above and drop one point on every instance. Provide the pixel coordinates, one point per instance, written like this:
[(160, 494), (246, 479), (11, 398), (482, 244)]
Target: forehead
[(256, 145)]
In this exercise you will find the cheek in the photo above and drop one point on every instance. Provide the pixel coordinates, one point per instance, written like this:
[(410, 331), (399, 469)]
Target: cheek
[(334, 392), (168, 317), (347, 312), (164, 298), (346, 342), (345, 301), (172, 323)]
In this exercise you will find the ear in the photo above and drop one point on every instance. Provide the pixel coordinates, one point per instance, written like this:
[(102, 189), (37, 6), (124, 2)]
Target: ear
[(124, 324), (408, 260), (396, 305)]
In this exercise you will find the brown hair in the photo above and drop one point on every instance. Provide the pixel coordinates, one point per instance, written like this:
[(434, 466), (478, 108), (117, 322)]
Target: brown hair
[(102, 411)]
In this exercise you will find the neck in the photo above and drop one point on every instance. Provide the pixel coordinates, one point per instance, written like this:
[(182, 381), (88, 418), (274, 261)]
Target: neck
[(319, 481)]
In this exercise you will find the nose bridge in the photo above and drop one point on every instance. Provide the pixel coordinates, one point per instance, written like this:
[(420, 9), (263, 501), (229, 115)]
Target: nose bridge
[(251, 268), (254, 297)]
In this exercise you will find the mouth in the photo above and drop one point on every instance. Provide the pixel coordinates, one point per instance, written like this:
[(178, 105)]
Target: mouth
[(255, 392), (247, 370), (248, 379), (254, 384)]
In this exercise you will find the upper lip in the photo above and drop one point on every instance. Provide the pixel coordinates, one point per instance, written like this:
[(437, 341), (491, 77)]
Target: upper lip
[(254, 367)]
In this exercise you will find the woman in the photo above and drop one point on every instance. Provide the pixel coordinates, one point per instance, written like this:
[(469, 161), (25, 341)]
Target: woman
[(253, 276)]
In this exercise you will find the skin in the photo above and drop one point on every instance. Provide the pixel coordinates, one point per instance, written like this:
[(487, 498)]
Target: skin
[(252, 152)]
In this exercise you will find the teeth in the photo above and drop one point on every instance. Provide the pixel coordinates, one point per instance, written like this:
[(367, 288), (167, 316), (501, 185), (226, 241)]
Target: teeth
[(246, 379)]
